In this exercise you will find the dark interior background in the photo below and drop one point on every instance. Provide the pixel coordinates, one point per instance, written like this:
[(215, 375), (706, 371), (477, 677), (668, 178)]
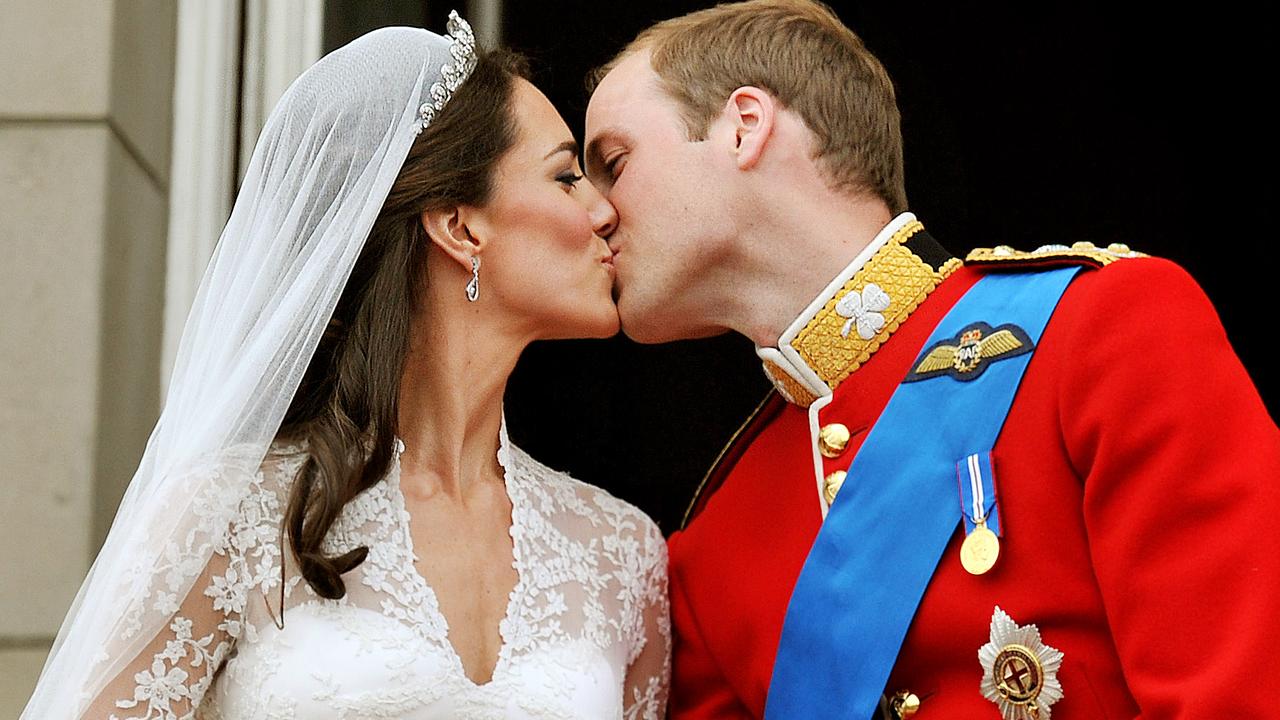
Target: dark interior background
[(1023, 126)]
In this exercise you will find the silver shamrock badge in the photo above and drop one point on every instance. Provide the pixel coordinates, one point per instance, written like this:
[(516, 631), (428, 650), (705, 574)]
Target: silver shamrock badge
[(1019, 672), (864, 310)]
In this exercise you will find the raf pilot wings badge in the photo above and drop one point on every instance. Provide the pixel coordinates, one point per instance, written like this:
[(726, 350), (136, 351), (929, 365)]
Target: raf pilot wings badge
[(967, 355)]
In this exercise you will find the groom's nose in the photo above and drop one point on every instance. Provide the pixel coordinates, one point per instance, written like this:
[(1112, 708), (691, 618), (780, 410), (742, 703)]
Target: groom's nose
[(604, 217)]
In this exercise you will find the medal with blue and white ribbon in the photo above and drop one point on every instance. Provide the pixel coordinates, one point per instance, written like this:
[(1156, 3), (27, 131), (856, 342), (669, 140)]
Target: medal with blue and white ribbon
[(981, 546)]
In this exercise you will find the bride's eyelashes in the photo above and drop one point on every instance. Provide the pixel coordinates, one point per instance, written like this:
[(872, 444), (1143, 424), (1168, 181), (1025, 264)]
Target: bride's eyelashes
[(569, 179)]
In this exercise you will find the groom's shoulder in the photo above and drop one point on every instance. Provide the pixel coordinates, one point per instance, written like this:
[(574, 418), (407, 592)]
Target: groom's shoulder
[(753, 425)]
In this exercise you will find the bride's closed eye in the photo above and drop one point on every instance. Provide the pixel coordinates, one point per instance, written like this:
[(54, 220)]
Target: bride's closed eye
[(569, 179)]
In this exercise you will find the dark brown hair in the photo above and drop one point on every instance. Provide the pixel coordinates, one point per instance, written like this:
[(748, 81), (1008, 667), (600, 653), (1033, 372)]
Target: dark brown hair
[(346, 407), (801, 53)]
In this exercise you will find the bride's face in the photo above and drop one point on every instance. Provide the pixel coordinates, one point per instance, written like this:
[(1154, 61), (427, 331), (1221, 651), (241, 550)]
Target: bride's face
[(546, 261)]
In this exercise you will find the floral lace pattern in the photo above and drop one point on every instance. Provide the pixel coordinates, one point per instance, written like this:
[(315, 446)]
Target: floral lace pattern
[(586, 634)]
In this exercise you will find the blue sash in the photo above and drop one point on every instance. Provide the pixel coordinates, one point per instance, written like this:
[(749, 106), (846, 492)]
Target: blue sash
[(896, 513)]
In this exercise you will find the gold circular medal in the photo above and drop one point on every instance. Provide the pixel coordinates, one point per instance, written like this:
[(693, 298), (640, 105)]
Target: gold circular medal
[(979, 551)]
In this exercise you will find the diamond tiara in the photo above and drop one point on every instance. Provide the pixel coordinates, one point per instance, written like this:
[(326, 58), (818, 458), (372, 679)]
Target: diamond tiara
[(462, 48)]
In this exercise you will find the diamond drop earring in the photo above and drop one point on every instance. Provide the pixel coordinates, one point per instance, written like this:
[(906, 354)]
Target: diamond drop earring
[(473, 287)]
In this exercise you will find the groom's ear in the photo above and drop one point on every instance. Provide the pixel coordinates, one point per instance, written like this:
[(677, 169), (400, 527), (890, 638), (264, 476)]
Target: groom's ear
[(752, 112), (449, 230)]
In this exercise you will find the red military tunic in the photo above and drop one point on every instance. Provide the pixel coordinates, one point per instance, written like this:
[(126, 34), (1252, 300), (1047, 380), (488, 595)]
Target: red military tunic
[(1138, 475)]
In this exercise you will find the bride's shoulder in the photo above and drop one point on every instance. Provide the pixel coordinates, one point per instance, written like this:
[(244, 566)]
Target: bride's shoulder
[(245, 478), (280, 465), (579, 503)]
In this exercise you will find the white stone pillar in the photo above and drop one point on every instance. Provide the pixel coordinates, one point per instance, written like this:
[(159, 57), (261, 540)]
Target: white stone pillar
[(84, 187)]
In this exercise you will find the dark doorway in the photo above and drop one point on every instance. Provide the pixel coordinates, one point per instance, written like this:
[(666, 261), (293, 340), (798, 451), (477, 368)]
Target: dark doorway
[(1023, 125)]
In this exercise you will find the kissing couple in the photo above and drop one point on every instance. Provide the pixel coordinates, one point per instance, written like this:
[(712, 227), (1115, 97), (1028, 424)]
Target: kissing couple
[(972, 493)]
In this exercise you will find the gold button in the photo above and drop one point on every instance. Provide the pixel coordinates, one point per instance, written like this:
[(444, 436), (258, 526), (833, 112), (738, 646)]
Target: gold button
[(1083, 245), (832, 440), (832, 484), (904, 704), (1119, 248)]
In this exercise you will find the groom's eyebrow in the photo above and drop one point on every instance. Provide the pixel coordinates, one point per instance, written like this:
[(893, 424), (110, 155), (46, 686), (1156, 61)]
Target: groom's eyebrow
[(569, 146)]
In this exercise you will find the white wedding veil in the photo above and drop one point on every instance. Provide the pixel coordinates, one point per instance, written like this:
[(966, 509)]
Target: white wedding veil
[(321, 171)]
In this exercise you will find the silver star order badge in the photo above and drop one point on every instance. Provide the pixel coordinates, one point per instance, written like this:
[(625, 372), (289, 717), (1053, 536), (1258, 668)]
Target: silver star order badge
[(1019, 672)]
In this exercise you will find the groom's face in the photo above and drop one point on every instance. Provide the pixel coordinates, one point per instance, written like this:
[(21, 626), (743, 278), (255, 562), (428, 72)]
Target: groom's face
[(665, 189)]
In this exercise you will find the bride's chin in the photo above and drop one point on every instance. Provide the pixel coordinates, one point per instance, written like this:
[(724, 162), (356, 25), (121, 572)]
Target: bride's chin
[(607, 326), (590, 321), (604, 325), (602, 320)]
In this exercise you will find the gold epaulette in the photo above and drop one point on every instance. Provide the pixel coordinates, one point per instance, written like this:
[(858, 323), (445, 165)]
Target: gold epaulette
[(1081, 253)]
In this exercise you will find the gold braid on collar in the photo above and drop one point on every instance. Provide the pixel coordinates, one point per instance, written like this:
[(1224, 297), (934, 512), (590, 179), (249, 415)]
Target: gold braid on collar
[(864, 312)]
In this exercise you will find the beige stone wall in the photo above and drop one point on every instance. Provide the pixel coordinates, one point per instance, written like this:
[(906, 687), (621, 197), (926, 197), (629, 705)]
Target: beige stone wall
[(85, 128)]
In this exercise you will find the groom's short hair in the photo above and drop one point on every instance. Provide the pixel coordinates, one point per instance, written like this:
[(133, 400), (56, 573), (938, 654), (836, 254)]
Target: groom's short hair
[(800, 52)]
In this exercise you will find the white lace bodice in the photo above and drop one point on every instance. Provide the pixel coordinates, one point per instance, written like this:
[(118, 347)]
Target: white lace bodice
[(586, 633)]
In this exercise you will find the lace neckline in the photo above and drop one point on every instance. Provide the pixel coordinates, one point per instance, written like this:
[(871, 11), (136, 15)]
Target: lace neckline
[(507, 626)]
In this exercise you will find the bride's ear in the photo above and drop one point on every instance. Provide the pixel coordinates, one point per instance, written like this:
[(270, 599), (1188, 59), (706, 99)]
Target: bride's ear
[(449, 230)]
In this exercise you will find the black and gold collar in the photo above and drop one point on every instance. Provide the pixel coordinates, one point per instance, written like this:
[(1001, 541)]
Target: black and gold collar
[(857, 312)]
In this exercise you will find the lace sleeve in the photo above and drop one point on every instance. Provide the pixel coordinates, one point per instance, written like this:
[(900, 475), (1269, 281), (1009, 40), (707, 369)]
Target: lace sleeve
[(169, 678), (649, 673)]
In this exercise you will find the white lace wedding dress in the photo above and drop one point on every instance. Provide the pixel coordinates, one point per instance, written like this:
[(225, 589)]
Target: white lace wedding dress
[(586, 633)]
